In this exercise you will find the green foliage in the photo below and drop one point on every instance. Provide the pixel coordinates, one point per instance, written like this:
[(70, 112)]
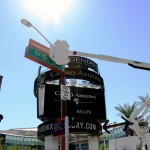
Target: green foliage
[(1, 147), (143, 99), (18, 147), (27, 148), (14, 147), (126, 110), (2, 142), (102, 147)]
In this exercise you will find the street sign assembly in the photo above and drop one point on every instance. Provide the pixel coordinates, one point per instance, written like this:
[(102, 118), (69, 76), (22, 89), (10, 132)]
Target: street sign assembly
[(39, 53)]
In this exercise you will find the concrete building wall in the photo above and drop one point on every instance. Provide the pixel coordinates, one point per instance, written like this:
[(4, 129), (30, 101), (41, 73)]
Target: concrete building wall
[(126, 143)]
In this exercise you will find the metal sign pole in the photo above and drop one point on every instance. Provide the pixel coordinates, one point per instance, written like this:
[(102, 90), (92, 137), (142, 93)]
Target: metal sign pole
[(64, 143), (67, 132)]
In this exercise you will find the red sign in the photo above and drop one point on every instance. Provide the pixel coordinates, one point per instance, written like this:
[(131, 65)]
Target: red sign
[(39, 46), (40, 54)]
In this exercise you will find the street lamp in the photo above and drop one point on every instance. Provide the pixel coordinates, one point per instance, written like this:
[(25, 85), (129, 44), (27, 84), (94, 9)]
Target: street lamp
[(26, 23), (29, 24), (64, 143), (57, 50)]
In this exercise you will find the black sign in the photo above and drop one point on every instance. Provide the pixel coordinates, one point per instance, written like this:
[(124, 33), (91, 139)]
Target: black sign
[(80, 126), (44, 129), (82, 62), (84, 126), (70, 73), (87, 103), (84, 103)]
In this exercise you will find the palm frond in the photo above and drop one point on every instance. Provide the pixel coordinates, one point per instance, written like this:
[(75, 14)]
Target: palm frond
[(126, 110), (143, 98)]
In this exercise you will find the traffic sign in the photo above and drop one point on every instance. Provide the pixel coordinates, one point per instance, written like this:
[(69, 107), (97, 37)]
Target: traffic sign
[(65, 92), (42, 58)]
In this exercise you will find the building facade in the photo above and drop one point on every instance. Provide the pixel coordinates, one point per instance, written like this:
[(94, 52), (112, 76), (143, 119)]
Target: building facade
[(20, 139), (26, 139)]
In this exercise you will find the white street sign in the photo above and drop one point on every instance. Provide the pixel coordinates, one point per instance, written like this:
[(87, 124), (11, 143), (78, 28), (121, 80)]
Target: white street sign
[(65, 92)]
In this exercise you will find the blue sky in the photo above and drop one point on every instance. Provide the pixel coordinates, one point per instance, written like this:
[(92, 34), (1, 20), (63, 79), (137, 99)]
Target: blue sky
[(119, 28)]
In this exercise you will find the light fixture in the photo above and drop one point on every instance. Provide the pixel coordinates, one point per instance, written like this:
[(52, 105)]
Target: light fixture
[(29, 24), (26, 23)]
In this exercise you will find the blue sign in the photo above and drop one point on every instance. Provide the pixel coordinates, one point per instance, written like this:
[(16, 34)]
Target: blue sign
[(59, 128)]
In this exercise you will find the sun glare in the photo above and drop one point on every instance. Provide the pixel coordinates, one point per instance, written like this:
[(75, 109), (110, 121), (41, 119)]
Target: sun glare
[(48, 10)]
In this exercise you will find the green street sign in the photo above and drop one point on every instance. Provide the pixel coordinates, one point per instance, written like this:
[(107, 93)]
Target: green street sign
[(43, 59)]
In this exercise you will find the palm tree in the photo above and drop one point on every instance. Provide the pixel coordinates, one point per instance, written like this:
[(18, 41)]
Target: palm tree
[(126, 111)]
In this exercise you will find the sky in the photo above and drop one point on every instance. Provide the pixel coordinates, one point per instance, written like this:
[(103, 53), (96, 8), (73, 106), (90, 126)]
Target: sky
[(119, 28)]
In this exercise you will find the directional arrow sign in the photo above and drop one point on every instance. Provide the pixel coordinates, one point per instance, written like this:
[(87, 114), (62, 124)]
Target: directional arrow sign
[(43, 59)]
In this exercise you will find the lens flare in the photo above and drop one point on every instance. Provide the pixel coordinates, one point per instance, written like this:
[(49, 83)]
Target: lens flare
[(48, 10)]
